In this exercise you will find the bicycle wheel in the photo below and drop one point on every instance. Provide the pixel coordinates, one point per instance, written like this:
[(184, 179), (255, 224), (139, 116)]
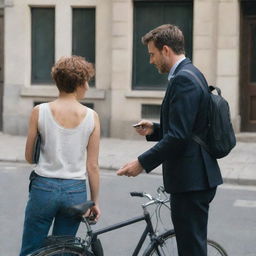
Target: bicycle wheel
[(168, 246), (215, 249), (63, 251)]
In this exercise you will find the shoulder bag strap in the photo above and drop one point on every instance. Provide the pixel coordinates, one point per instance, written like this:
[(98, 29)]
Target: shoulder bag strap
[(196, 138)]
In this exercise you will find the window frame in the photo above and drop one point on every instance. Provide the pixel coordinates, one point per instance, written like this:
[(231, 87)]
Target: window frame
[(93, 81), (142, 85), (33, 81)]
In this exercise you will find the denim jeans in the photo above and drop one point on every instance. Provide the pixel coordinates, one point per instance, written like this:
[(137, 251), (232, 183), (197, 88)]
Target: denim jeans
[(48, 199)]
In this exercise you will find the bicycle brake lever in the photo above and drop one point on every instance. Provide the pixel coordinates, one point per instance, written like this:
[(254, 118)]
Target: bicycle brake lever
[(90, 220)]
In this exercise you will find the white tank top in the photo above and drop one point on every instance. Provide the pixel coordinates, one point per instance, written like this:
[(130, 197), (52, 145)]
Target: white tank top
[(63, 151)]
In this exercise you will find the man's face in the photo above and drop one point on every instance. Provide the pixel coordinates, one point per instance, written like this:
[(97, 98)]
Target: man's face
[(158, 58)]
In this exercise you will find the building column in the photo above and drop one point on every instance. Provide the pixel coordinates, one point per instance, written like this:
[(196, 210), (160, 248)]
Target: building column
[(228, 49), (205, 37), (216, 48), (122, 34)]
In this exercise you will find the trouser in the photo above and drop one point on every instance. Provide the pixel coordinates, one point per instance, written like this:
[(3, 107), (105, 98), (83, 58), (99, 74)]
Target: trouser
[(189, 211), (48, 199)]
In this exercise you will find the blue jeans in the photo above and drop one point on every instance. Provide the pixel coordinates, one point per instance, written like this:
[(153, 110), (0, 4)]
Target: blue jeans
[(48, 198)]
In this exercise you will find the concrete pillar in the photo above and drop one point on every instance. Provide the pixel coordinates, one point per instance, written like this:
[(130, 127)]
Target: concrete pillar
[(228, 48), (122, 34), (205, 37), (216, 48)]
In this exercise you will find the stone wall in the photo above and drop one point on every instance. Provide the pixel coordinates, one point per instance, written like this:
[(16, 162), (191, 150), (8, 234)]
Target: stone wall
[(215, 52), (20, 94)]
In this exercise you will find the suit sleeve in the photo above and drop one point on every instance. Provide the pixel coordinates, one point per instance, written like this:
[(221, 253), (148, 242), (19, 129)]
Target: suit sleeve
[(156, 135), (184, 101)]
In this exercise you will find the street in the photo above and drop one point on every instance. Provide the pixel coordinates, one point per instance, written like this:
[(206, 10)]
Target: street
[(232, 221)]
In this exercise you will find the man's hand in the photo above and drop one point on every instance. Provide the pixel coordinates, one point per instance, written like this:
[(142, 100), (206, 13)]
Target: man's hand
[(131, 169), (144, 127)]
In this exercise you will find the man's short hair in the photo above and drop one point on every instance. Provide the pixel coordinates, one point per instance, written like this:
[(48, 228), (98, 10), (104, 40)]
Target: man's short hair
[(71, 72), (167, 34)]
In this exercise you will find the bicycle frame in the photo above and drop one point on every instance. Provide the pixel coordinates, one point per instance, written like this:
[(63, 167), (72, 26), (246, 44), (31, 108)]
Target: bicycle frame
[(148, 230), (91, 244)]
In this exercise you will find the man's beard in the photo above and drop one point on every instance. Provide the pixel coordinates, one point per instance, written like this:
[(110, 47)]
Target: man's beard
[(163, 68)]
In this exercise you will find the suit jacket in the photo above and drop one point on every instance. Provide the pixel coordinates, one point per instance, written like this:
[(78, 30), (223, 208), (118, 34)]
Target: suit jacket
[(186, 165)]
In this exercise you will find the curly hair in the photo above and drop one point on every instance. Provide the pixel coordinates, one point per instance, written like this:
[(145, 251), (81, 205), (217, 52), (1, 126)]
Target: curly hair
[(71, 72), (166, 34)]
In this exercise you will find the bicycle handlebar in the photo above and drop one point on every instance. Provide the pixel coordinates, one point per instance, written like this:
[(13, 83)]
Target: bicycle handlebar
[(160, 191), (138, 194)]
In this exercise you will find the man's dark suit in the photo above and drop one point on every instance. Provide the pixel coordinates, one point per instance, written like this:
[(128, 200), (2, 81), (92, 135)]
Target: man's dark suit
[(188, 170)]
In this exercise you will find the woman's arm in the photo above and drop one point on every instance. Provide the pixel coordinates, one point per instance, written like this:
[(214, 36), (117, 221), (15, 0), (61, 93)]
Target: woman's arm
[(32, 132), (93, 166)]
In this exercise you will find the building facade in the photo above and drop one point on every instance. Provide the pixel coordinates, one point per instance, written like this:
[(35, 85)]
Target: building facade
[(220, 39), (1, 60)]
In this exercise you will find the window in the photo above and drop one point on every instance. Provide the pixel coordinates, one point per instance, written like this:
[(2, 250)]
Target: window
[(43, 44), (148, 15), (83, 40), (89, 105), (150, 111)]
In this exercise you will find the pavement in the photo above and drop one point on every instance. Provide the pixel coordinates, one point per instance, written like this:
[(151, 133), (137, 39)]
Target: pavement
[(239, 167)]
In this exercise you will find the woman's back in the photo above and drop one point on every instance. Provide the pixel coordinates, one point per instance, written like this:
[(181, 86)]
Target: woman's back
[(67, 113), (65, 128)]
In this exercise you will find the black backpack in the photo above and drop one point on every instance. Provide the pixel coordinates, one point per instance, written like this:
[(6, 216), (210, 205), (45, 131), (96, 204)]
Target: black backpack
[(221, 137)]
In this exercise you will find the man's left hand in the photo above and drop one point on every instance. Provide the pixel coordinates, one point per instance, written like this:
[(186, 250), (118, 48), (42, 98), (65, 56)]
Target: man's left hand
[(131, 169)]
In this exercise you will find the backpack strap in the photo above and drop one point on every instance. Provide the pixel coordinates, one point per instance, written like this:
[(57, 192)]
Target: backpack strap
[(199, 141), (196, 78), (196, 138), (212, 88)]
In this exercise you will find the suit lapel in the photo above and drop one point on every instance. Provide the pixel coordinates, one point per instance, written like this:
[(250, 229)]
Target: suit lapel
[(167, 93), (180, 66), (168, 90)]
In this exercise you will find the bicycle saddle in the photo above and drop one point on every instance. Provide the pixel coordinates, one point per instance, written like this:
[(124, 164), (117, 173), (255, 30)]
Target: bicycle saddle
[(80, 209)]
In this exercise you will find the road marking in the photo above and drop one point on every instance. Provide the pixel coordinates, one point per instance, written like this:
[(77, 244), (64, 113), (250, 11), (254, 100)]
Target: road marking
[(105, 172), (237, 187), (7, 163), (10, 167), (245, 203)]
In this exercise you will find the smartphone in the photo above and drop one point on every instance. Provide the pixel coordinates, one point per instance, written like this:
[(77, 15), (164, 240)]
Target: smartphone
[(137, 125)]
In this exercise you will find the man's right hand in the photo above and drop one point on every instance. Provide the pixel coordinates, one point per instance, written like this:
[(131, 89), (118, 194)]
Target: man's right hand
[(144, 127)]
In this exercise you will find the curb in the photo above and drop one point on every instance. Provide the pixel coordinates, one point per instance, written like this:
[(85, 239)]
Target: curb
[(242, 182), (12, 161), (246, 137), (226, 180)]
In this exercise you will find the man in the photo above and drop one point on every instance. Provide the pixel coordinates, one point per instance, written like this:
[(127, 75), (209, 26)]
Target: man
[(190, 174)]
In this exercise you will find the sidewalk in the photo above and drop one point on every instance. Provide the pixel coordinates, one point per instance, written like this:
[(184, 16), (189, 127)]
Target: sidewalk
[(239, 167)]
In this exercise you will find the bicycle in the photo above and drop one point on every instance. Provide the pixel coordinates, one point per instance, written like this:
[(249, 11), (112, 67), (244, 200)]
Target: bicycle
[(159, 245)]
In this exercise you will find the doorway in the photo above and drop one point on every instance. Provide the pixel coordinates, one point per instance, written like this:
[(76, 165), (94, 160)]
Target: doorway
[(248, 66), (1, 66)]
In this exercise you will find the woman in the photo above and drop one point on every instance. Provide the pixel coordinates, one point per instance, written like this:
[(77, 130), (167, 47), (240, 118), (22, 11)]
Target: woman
[(70, 134)]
